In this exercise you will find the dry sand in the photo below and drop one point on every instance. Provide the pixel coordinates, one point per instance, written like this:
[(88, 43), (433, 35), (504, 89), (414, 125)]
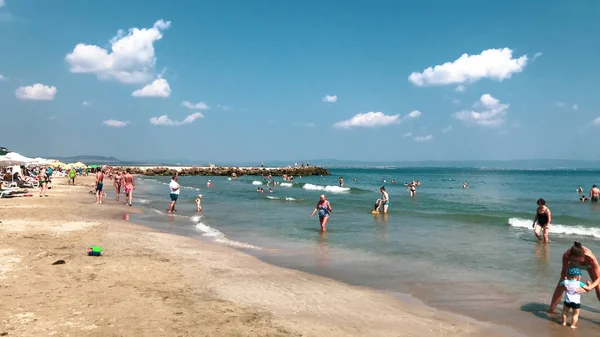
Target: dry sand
[(150, 283)]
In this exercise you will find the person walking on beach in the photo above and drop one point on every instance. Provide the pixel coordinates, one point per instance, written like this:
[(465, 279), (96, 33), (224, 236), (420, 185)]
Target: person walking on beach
[(583, 258), (175, 189), (385, 199), (43, 183), (570, 287), (594, 194), (72, 175), (99, 184), (117, 184), (542, 220), (129, 186), (324, 209)]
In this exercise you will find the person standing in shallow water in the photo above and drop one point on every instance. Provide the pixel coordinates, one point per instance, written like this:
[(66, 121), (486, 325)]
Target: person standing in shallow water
[(324, 209), (175, 189), (385, 199), (542, 220)]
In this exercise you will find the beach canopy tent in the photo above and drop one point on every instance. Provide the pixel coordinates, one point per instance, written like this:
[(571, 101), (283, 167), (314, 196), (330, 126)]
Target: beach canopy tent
[(7, 161), (56, 163), (39, 161), (76, 165), (18, 157)]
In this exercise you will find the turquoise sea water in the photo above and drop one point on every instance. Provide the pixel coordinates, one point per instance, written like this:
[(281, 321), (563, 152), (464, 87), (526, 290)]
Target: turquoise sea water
[(470, 251)]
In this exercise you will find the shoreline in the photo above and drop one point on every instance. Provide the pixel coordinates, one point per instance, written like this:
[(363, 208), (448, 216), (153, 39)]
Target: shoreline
[(177, 277)]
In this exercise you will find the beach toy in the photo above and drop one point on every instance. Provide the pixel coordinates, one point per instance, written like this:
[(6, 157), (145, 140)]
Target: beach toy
[(94, 251)]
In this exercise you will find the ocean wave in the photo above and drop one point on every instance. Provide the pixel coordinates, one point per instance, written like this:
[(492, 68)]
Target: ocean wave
[(256, 182), (281, 198), (558, 228), (218, 236), (286, 184), (328, 188)]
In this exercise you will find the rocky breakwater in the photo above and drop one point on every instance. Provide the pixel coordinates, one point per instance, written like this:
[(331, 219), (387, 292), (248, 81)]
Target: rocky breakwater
[(228, 171)]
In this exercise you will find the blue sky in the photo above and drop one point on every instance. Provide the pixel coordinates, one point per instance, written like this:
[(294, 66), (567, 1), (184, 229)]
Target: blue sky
[(300, 80)]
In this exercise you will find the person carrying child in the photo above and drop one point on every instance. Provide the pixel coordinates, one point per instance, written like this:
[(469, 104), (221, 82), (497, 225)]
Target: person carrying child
[(572, 299)]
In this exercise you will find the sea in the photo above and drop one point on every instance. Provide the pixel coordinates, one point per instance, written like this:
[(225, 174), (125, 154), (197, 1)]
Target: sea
[(468, 251)]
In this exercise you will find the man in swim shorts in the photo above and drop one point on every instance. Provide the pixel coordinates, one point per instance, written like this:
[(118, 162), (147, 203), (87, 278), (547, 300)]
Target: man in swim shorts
[(175, 189), (99, 183), (594, 194)]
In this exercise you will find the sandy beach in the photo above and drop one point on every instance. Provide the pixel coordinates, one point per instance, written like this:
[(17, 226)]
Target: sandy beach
[(150, 283)]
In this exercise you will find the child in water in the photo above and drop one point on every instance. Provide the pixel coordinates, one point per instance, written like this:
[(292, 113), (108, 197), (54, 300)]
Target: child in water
[(199, 203), (376, 207), (572, 297)]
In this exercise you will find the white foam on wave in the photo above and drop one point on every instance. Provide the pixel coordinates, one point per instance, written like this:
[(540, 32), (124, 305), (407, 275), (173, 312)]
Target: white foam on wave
[(328, 188), (279, 198), (256, 182), (558, 228), (142, 201), (285, 184), (218, 236)]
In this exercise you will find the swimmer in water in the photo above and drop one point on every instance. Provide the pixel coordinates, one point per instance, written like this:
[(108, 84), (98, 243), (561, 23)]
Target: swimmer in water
[(199, 203), (208, 183), (465, 185), (376, 207), (595, 194), (583, 198), (341, 181), (580, 189)]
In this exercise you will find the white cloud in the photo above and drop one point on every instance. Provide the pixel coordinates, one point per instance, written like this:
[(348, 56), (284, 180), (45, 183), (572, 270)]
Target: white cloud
[(596, 121), (36, 92), (413, 114), (130, 60), (367, 120), (423, 138), (2, 3), (408, 134), (165, 120), (158, 88), (223, 107), (447, 129), (492, 114), (330, 99), (536, 55), (197, 106), (496, 64), (113, 123), (86, 103), (460, 88), (575, 107), (2, 77)]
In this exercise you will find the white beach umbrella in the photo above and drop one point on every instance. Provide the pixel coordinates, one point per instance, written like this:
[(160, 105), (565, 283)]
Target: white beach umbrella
[(18, 157), (6, 161)]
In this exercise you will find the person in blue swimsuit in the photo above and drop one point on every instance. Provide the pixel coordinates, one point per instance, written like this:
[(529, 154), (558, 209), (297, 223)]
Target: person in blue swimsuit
[(324, 209)]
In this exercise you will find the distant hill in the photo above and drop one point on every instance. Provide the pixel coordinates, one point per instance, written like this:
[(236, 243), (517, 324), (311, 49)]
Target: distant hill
[(90, 160)]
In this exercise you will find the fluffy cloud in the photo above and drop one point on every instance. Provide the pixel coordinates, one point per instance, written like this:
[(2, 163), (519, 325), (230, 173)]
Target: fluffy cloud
[(2, 3), (165, 120), (36, 92), (367, 120), (86, 103), (447, 129), (130, 60), (423, 138), (492, 112), (158, 88), (460, 88), (536, 55), (2, 77), (408, 134), (113, 123), (413, 114), (197, 106), (330, 99), (496, 64), (596, 121)]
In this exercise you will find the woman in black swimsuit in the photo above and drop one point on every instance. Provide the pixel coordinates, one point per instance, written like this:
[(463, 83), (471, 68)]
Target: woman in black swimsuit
[(542, 220)]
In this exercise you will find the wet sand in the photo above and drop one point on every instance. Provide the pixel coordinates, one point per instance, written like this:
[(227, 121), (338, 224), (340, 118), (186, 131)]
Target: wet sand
[(152, 283)]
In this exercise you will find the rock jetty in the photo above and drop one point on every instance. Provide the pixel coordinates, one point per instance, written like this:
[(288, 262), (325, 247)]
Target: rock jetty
[(228, 171)]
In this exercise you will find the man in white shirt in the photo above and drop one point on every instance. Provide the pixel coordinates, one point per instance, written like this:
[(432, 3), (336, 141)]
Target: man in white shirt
[(175, 188)]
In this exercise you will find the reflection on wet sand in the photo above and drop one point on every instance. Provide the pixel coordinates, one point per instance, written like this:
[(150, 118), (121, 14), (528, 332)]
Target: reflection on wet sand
[(322, 251)]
